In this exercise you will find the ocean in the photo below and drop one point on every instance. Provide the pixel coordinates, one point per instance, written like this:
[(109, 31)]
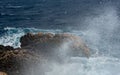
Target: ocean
[(97, 22)]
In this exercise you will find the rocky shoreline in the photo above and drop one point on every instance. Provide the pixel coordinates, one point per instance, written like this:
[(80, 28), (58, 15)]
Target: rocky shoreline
[(37, 48)]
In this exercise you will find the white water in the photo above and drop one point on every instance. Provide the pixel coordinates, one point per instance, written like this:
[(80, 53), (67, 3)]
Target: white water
[(92, 66), (12, 36)]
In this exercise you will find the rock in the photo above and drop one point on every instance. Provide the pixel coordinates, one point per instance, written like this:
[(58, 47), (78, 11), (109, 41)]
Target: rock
[(9, 48), (47, 43), (3, 73), (14, 62), (6, 48), (2, 47)]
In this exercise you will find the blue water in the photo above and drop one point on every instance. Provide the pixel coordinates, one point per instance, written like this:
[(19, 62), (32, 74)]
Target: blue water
[(95, 21), (48, 13)]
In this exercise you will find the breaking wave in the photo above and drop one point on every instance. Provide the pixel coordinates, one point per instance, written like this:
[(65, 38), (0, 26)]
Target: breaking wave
[(11, 35)]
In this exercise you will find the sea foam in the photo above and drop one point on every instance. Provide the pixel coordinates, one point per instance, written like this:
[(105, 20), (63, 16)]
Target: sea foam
[(12, 35)]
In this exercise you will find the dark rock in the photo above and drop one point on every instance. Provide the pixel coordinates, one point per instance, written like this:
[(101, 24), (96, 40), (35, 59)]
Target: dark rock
[(9, 48), (2, 47), (6, 48), (14, 62)]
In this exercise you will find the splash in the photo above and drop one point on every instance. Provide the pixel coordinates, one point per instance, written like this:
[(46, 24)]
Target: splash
[(100, 36), (12, 35), (101, 29), (82, 66)]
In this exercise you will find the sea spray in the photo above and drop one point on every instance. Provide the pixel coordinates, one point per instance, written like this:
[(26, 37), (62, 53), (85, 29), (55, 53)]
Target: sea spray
[(101, 29), (99, 36), (12, 35)]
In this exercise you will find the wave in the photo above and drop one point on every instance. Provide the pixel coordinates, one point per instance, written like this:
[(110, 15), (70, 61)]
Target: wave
[(12, 35)]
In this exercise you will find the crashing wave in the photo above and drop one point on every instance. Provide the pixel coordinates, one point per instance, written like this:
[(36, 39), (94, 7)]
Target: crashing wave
[(12, 35)]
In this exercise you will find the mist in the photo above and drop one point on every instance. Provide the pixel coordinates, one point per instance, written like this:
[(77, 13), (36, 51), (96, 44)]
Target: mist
[(53, 61), (101, 34)]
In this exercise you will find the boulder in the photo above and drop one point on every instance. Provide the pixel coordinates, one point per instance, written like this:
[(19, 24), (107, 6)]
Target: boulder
[(48, 43)]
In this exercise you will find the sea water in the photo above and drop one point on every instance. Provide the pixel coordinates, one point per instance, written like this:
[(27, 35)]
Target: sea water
[(95, 21)]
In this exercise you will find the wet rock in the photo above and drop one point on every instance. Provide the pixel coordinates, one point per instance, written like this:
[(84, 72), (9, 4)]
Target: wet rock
[(14, 62), (6, 48), (2, 47), (47, 43)]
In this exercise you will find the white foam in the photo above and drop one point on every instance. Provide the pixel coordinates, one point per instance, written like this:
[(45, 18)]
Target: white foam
[(12, 35)]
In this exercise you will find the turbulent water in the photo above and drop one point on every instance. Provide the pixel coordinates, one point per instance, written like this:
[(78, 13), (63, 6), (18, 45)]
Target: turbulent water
[(103, 60), (96, 21)]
